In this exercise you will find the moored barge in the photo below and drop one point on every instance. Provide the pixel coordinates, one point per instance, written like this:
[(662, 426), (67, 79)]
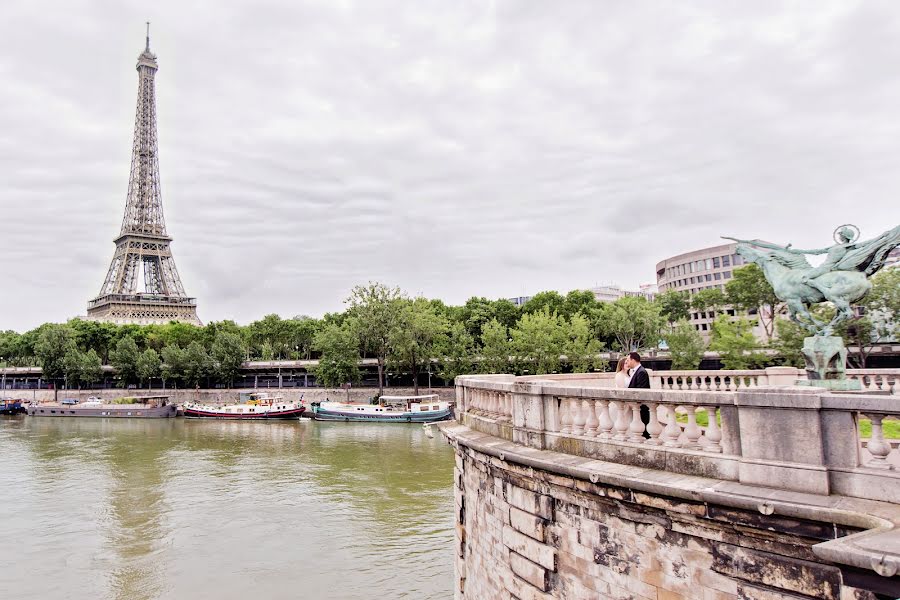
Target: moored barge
[(149, 407), (390, 409), (8, 406), (259, 406)]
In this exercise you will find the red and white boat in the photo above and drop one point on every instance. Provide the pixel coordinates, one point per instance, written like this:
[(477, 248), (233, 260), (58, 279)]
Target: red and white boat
[(259, 406)]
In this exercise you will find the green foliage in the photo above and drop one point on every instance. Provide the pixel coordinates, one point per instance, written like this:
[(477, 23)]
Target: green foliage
[(376, 310), (549, 302), (148, 365), (414, 339), (749, 290), (789, 343), (227, 356), (125, 359), (173, 363), (454, 352), (685, 346), (495, 348), (710, 299), (579, 344), (51, 347), (339, 348), (673, 306), (734, 342), (880, 320), (81, 368), (634, 322), (537, 342), (197, 364), (477, 312), (578, 302)]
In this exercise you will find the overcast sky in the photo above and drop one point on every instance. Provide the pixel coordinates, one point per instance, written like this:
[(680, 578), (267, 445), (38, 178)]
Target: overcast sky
[(450, 148)]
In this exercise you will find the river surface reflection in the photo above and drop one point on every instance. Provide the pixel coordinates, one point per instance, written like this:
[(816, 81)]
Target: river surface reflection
[(175, 508)]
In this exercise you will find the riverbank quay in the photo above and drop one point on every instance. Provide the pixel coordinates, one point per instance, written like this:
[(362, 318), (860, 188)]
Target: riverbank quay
[(229, 396), (774, 499)]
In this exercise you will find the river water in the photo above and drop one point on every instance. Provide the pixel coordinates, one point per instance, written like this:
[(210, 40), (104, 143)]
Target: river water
[(175, 508)]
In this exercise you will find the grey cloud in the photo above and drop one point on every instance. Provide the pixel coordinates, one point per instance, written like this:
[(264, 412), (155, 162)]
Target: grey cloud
[(454, 149)]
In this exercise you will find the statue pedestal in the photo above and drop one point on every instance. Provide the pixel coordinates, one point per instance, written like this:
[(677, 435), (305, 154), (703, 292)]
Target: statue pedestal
[(826, 359)]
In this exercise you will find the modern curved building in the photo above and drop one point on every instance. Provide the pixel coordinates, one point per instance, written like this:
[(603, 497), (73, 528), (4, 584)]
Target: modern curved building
[(699, 270)]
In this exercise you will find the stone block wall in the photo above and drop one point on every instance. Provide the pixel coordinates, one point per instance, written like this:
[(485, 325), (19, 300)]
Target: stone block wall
[(525, 534)]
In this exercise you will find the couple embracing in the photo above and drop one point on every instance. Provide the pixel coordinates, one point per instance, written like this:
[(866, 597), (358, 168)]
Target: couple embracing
[(630, 373)]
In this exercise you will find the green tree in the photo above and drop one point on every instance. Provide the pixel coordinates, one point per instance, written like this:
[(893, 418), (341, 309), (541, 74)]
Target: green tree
[(173, 363), (197, 364), (634, 322), (537, 341), (879, 320), (709, 300), (579, 344), (95, 335), (50, 349), (789, 343), (477, 312), (673, 306), (734, 342), (124, 358), (72, 368), (338, 346), (748, 290), (301, 332), (685, 346), (455, 352), (376, 309), (90, 368), (550, 301), (148, 366), (495, 349), (227, 356), (578, 302), (412, 341)]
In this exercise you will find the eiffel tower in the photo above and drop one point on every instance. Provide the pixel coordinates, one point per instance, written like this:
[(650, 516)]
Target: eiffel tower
[(142, 247)]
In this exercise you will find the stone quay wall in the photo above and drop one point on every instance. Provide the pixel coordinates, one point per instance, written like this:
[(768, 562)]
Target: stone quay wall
[(561, 493), (528, 534), (223, 396)]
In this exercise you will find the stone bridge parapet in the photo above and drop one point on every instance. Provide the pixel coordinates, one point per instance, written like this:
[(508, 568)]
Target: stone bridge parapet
[(564, 493)]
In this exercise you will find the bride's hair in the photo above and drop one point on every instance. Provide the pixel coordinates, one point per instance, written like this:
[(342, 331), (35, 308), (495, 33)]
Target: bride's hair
[(620, 366)]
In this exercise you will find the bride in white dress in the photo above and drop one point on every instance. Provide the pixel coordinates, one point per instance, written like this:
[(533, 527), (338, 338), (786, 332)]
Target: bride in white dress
[(622, 376)]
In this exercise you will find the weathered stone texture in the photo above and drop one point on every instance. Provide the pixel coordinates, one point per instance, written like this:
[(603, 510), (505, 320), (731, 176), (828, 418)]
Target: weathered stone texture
[(525, 534)]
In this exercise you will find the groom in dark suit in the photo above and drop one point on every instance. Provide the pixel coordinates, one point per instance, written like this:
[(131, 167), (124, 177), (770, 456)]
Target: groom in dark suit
[(639, 379)]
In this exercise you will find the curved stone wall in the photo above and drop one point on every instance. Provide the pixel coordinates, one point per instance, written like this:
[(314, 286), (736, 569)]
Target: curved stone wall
[(526, 533)]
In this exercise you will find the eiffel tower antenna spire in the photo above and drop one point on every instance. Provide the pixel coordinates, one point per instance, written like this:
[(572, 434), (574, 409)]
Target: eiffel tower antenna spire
[(143, 254)]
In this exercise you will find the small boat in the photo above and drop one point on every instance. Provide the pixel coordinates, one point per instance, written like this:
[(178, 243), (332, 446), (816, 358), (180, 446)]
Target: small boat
[(145, 407), (390, 409), (8, 406), (259, 406)]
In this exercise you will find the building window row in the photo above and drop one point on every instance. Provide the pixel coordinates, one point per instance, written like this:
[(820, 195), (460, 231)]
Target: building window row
[(708, 264)]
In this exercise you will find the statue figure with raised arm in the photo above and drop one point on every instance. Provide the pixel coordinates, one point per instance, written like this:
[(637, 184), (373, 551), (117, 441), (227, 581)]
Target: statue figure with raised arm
[(841, 279)]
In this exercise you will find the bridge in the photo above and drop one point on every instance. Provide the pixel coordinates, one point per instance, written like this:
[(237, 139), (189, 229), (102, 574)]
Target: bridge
[(743, 486)]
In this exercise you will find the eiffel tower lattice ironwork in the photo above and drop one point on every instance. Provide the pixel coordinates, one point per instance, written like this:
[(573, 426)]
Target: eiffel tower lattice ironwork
[(142, 251)]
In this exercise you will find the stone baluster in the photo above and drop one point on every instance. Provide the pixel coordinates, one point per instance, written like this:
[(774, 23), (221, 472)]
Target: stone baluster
[(622, 421), (636, 428), (605, 423), (713, 433), (673, 430), (692, 430), (565, 417), (877, 446), (473, 399), (578, 417), (653, 427), (588, 407), (505, 407)]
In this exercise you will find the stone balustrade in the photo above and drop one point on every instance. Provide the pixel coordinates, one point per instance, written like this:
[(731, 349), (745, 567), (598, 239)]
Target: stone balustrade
[(725, 380), (798, 438)]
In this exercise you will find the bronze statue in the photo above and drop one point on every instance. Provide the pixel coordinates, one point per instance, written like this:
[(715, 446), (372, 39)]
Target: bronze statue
[(841, 279)]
